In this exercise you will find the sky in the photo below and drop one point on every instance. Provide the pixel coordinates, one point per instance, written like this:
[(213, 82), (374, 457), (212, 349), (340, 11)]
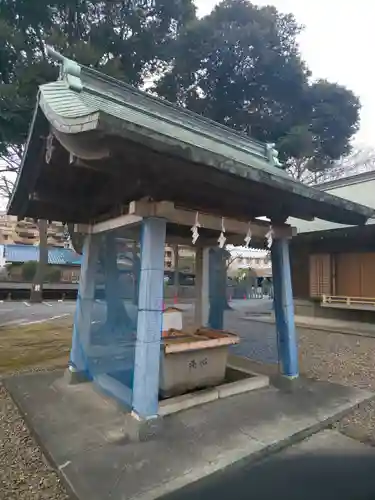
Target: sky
[(337, 45)]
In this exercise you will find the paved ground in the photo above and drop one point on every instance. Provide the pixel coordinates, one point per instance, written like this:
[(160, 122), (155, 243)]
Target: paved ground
[(258, 340), (89, 443), (14, 312), (24, 311), (326, 466)]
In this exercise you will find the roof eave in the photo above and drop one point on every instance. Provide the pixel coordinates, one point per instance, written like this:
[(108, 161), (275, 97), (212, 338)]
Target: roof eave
[(30, 164)]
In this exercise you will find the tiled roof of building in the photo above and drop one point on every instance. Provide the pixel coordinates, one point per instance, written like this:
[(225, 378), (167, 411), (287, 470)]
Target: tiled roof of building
[(27, 253)]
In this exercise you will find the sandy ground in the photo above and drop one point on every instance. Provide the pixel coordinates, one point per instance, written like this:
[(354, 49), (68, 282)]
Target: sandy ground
[(24, 472)]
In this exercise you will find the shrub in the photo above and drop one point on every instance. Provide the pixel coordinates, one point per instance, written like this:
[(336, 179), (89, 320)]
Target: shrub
[(28, 270), (53, 274)]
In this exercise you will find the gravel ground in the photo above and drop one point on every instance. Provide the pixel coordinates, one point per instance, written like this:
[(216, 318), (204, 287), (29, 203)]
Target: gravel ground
[(348, 360), (24, 471)]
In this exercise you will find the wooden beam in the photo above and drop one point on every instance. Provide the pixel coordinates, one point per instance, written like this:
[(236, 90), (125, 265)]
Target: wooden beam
[(168, 211), (127, 220), (203, 241), (235, 229)]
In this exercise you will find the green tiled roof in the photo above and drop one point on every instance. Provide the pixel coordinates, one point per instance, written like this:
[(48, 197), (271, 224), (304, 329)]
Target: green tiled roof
[(225, 166), (81, 106)]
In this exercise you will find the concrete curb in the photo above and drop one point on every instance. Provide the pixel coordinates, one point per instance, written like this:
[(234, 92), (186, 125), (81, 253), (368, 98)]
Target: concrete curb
[(192, 483), (306, 326)]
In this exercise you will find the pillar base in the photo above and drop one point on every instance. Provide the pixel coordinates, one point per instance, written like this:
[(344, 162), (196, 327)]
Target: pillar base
[(139, 429), (73, 376), (285, 383)]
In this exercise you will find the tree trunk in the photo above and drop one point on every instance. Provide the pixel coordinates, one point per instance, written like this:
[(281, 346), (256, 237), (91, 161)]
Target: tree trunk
[(176, 276), (36, 294)]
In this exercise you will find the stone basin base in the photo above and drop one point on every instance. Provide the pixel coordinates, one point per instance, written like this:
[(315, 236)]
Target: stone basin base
[(238, 378)]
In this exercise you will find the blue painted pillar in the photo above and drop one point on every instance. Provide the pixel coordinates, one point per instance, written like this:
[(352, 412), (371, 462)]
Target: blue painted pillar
[(84, 303), (284, 308), (217, 288), (149, 324), (202, 256)]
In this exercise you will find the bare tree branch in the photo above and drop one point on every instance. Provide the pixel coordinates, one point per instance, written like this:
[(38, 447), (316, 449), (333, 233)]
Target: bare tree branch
[(6, 186), (9, 167), (361, 160)]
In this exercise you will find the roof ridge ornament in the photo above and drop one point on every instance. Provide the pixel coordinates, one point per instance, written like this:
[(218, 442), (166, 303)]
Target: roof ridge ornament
[(273, 155), (70, 71)]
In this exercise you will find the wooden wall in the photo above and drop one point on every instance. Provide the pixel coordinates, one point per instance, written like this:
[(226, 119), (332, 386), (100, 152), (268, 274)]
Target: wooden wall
[(299, 263), (320, 275), (325, 270), (355, 274)]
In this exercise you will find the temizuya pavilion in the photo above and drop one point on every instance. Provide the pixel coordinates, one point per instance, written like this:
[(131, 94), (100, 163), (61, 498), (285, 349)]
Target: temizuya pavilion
[(119, 163)]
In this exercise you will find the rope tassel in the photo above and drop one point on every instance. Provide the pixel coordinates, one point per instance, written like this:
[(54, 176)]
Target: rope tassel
[(222, 239), (269, 237), (248, 237), (195, 229)]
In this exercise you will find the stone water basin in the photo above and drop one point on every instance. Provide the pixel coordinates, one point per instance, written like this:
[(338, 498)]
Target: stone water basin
[(193, 360)]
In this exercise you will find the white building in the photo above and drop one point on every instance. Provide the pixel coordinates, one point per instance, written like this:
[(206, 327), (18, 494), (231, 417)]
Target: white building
[(243, 258)]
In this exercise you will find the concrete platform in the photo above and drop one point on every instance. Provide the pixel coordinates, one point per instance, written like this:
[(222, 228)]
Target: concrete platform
[(84, 434)]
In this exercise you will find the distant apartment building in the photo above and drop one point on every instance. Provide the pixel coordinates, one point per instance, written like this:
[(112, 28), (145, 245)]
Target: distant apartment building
[(25, 232), (241, 258), (186, 258)]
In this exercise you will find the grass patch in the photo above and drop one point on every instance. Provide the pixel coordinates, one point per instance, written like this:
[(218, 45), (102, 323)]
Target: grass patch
[(40, 345)]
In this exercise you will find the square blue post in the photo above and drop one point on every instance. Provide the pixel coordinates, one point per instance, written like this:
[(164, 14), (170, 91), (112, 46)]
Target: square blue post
[(217, 288), (284, 308), (85, 299), (202, 295), (150, 317)]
